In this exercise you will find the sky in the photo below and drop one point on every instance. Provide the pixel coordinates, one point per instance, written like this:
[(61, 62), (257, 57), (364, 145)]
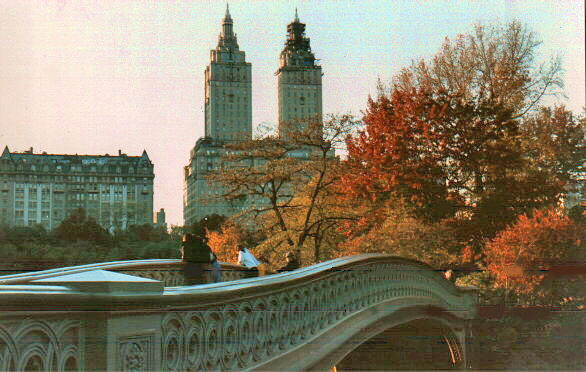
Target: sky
[(95, 76)]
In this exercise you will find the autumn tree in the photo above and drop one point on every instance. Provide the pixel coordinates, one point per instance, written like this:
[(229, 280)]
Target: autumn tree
[(330, 210), (554, 144), (224, 242), (269, 172), (447, 134), (399, 232), (398, 154), (521, 256)]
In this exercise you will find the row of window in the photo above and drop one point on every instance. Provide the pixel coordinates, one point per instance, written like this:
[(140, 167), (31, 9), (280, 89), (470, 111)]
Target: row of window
[(74, 168), (81, 179), (303, 93)]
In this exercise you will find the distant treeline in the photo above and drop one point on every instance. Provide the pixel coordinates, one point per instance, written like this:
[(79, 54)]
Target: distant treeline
[(79, 240)]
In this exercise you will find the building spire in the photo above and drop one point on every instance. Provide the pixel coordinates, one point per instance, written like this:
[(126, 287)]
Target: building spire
[(227, 16), (227, 36), (296, 16)]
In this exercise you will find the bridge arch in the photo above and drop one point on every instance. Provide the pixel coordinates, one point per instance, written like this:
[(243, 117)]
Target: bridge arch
[(343, 345), (311, 318), (415, 337)]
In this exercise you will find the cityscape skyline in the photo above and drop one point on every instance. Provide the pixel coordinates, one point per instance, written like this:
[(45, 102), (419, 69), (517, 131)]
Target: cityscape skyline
[(94, 78)]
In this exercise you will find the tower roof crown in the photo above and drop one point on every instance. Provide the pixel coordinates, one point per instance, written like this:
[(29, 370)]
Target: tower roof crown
[(227, 38), (297, 51), (227, 17)]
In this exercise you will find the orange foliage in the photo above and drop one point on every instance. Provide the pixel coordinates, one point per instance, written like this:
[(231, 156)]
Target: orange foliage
[(397, 153), (224, 243), (521, 255)]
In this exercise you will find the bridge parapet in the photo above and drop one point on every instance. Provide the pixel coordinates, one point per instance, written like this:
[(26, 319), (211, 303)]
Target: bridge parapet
[(240, 325), (168, 271)]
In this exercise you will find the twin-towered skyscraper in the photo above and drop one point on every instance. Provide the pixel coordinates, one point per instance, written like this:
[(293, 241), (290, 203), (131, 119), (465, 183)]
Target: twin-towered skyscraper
[(228, 84), (228, 108)]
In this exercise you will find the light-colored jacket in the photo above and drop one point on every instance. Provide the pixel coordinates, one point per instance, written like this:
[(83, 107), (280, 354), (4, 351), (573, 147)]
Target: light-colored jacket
[(246, 258)]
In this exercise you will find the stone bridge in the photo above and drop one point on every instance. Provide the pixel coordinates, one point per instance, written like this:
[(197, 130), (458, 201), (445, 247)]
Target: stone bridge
[(138, 316)]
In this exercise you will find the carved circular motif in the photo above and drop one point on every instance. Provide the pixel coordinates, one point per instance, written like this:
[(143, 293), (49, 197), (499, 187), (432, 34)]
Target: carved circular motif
[(238, 335), (133, 357), (194, 348)]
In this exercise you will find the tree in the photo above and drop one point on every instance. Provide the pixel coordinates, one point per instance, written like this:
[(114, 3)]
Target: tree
[(143, 233), (447, 135), (521, 256), (399, 233), (80, 227), (321, 229), (209, 223), (555, 145), (268, 172), (398, 154), (224, 242)]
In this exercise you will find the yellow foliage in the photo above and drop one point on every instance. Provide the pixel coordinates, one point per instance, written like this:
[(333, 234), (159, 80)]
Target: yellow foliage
[(224, 243)]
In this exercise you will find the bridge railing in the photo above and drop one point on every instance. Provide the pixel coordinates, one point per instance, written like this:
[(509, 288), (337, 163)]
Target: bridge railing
[(168, 271), (51, 323)]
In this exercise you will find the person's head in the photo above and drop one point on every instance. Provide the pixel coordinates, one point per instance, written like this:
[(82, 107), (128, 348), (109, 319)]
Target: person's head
[(187, 237), (241, 248)]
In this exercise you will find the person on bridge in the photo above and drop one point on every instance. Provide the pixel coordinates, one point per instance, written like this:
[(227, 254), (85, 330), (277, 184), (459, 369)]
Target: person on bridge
[(292, 263), (247, 259), (196, 255), (216, 269)]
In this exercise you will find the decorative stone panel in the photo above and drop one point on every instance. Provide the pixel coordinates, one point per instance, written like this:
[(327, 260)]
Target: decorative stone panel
[(40, 345), (136, 353)]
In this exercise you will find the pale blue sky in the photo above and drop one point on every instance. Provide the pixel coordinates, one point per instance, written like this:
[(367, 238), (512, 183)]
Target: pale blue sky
[(92, 77)]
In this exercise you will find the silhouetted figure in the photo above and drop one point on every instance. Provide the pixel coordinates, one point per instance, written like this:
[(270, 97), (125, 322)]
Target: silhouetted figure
[(216, 269), (292, 263), (196, 256)]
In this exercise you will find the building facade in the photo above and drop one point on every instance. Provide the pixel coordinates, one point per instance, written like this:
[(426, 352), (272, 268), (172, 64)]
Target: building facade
[(200, 198), (228, 112), (161, 219), (228, 89), (43, 189), (299, 81)]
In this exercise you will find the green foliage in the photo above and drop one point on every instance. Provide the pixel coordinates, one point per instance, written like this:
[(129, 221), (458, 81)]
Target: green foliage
[(80, 227), (20, 234), (146, 233), (77, 241), (208, 223)]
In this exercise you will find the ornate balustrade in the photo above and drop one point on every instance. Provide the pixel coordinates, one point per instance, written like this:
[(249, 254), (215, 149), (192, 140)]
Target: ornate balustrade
[(168, 271), (55, 324)]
